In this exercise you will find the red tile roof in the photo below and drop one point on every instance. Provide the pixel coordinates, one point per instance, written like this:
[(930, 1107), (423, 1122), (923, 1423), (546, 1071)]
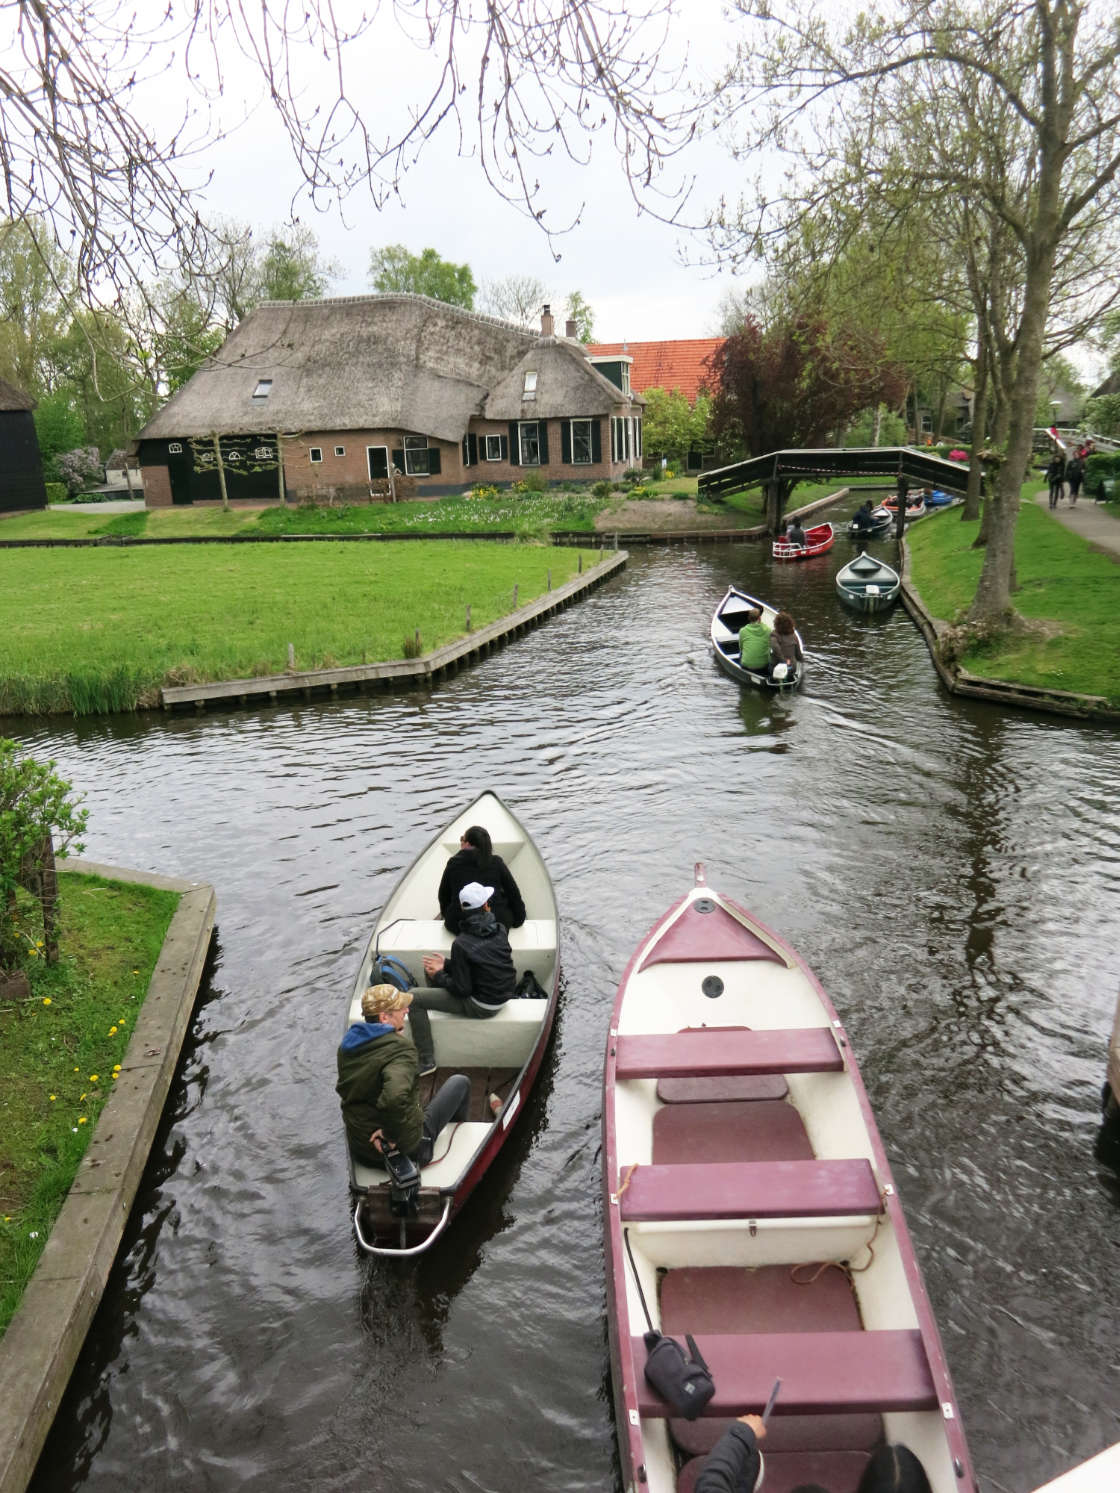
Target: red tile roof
[(665, 365)]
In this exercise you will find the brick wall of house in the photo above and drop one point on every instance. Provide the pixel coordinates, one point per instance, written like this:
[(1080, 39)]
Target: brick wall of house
[(157, 487), (556, 469), (343, 473)]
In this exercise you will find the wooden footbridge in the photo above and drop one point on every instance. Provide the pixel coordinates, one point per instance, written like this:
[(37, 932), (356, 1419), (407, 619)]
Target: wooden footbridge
[(899, 464)]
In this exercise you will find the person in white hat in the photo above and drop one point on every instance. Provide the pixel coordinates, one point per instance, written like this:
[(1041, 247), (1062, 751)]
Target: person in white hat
[(476, 979)]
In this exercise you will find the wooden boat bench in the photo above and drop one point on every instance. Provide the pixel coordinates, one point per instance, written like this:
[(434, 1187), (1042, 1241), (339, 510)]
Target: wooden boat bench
[(821, 1372), (409, 939), (726, 1052), (750, 1189)]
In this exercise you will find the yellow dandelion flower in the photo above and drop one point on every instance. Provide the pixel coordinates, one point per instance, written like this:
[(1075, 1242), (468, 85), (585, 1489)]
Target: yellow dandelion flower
[(46, 1000), (53, 1098), (93, 1078), (112, 1031), (75, 1070), (82, 1121)]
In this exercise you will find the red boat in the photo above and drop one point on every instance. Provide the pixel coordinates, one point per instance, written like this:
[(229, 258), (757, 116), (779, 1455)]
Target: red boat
[(748, 1202), (817, 540)]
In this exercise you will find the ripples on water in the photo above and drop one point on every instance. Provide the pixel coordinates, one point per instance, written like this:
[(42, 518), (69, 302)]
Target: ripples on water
[(950, 872)]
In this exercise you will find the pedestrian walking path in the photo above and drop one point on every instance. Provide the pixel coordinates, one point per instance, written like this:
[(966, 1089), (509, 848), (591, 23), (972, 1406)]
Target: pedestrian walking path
[(1099, 523)]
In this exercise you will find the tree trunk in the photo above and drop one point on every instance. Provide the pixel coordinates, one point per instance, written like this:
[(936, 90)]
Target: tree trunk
[(971, 511), (221, 472)]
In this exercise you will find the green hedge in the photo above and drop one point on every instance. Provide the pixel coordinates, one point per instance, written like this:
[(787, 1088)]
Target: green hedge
[(57, 492), (1098, 467)]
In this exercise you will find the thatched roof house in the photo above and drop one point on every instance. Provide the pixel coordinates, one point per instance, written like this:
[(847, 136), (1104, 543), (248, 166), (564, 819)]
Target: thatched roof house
[(328, 398), (21, 466)]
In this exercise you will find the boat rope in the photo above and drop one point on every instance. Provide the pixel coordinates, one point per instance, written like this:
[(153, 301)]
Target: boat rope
[(848, 1268), (625, 1183)]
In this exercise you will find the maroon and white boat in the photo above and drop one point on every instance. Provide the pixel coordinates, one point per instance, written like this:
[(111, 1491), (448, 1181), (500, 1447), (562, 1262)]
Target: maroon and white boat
[(501, 1055), (742, 1163)]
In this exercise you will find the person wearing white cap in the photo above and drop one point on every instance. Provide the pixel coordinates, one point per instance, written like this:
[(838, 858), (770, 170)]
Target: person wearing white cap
[(475, 980)]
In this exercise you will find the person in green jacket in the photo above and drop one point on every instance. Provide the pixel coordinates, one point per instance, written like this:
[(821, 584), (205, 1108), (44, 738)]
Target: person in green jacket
[(379, 1086), (754, 641)]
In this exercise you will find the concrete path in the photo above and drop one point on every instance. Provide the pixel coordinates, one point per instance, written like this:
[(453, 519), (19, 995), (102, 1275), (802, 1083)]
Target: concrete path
[(1099, 523), (115, 505)]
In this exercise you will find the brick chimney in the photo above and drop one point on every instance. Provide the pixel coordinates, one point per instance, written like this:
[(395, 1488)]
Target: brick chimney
[(547, 324), (570, 329)]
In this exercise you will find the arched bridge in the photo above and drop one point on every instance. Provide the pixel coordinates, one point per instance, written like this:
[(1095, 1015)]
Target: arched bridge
[(892, 462)]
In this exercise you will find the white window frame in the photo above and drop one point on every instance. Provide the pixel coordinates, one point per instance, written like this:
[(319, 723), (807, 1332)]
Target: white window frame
[(340, 450), (529, 389), (496, 448), (263, 389), (637, 438), (414, 445), (174, 448), (522, 427), (585, 426), (369, 464), (315, 455)]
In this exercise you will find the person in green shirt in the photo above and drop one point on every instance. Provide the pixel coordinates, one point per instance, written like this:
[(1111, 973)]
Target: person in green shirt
[(754, 641)]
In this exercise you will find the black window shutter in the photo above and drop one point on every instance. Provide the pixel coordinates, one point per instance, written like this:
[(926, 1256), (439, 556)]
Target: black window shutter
[(472, 450), (596, 440), (514, 452), (466, 453), (398, 460), (434, 467), (503, 447), (542, 431), (566, 442)]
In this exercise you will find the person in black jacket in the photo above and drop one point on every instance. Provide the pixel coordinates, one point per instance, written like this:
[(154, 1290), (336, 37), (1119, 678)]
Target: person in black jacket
[(475, 980), (734, 1464), (475, 861)]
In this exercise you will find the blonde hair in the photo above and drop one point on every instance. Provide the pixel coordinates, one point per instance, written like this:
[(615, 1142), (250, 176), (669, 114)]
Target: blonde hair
[(378, 1000)]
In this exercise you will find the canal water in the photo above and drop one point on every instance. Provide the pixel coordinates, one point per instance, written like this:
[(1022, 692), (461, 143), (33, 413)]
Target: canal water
[(948, 870)]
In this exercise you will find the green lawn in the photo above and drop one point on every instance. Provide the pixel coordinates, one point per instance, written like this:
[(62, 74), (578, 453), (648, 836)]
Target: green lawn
[(59, 1055), (93, 630), (1062, 582)]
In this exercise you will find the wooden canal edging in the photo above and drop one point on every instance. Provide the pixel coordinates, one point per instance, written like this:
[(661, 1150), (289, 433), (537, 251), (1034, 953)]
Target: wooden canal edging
[(44, 1338), (959, 681), (436, 665)]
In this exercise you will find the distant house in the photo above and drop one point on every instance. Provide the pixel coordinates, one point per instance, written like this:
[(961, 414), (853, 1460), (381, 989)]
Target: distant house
[(123, 470), (325, 399), (21, 466), (681, 365), (677, 366)]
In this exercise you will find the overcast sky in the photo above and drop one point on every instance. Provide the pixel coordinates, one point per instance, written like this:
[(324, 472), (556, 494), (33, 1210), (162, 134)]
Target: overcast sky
[(628, 267)]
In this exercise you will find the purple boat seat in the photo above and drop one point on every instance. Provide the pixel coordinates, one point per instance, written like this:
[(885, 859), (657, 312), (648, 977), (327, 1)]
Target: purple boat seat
[(716, 1052), (751, 1189), (767, 1299), (822, 1373)]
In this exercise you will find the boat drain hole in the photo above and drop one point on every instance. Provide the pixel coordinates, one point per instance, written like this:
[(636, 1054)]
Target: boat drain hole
[(712, 986)]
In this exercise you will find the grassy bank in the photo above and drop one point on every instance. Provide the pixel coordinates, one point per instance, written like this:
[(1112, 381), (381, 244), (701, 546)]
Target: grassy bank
[(102, 630), (1064, 585), (60, 1052)]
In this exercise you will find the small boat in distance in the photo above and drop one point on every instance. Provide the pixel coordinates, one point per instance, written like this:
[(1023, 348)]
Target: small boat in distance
[(500, 1055), (728, 618), (868, 584), (879, 523), (748, 1201), (818, 539), (915, 508)]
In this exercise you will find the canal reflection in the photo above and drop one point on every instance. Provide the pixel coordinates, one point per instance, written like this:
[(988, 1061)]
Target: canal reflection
[(949, 872)]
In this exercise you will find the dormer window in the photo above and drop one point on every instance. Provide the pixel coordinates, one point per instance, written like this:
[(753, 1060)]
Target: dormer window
[(263, 389), (530, 389)]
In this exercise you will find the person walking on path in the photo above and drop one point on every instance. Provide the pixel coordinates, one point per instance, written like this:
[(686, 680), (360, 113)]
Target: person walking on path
[(1075, 473), (1055, 475)]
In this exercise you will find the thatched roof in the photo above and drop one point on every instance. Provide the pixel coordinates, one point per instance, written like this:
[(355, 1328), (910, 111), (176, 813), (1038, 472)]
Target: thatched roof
[(566, 386), (386, 362), (12, 398)]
